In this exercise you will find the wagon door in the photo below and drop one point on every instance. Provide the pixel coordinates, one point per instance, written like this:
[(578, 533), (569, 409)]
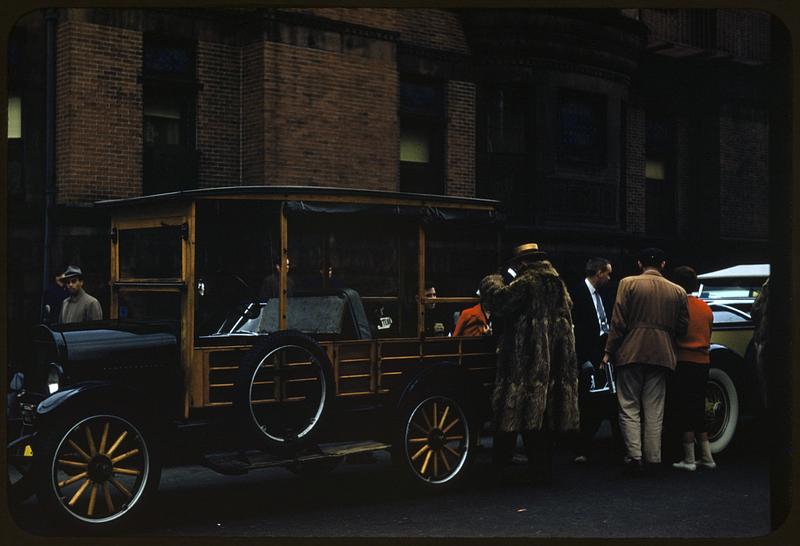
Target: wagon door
[(150, 251)]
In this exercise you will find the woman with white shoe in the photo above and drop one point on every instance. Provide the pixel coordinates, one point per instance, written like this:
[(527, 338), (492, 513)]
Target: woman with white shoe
[(691, 375)]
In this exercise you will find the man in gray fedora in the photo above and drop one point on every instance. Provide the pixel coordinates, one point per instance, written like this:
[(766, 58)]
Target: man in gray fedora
[(79, 306)]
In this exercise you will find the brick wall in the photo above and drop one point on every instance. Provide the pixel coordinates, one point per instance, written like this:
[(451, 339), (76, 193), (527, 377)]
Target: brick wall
[(330, 118), (744, 33), (635, 179), (432, 28), (382, 18), (253, 115), (218, 114), (461, 139), (744, 173), (99, 113)]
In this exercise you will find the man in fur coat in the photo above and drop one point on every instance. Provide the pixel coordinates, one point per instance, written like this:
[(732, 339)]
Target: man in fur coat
[(536, 386)]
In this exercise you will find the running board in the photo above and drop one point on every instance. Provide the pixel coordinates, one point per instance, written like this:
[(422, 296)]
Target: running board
[(350, 448), (237, 463)]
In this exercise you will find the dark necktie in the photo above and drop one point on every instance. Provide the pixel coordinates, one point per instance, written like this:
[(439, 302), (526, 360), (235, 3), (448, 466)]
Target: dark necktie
[(601, 313)]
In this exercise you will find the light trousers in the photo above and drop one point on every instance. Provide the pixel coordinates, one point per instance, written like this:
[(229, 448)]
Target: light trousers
[(641, 390)]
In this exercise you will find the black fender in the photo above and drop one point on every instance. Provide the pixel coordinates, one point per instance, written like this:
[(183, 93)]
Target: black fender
[(444, 378), (732, 364), (98, 394)]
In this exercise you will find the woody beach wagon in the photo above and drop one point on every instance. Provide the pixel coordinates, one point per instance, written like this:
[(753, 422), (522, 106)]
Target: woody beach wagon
[(261, 327)]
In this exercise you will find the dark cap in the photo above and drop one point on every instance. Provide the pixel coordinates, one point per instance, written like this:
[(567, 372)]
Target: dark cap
[(652, 256), (72, 272)]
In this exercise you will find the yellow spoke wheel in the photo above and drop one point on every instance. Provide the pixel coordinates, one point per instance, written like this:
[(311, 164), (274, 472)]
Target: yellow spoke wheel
[(436, 440), (98, 468)]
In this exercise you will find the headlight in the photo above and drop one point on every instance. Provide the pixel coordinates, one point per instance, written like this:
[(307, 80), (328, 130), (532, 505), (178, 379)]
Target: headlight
[(17, 382), (54, 372)]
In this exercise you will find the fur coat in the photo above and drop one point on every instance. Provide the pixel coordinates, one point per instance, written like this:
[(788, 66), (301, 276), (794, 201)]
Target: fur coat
[(536, 386)]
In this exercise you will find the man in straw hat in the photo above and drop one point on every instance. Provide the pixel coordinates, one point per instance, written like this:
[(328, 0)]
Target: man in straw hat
[(536, 386), (79, 306)]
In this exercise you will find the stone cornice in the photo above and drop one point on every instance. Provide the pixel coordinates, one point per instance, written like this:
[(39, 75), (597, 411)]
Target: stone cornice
[(608, 45), (553, 65), (405, 48)]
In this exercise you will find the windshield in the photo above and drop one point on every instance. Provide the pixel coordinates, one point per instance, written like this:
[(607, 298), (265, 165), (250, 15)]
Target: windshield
[(730, 291), (729, 315), (737, 293)]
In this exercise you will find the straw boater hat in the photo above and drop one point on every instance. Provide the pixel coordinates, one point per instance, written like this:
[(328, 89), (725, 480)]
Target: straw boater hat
[(529, 251)]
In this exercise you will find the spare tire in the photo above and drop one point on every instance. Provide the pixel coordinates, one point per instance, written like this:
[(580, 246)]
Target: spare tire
[(283, 391)]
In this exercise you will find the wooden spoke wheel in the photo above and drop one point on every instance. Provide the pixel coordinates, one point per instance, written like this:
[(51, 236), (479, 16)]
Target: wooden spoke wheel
[(284, 388), (96, 470), (436, 442)]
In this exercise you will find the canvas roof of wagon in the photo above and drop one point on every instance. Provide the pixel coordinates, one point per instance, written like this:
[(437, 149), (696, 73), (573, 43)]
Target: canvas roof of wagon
[(335, 200)]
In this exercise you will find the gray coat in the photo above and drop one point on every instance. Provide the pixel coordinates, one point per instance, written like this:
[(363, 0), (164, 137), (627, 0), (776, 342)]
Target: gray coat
[(80, 307), (536, 385)]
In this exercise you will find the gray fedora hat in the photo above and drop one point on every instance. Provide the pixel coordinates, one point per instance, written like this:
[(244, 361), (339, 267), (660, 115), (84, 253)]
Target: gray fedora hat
[(72, 272)]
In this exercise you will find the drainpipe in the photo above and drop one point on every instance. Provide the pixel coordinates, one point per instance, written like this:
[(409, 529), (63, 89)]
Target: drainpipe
[(51, 16)]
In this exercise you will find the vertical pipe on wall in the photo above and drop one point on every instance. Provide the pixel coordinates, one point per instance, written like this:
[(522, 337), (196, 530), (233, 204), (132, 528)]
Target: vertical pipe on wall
[(51, 18)]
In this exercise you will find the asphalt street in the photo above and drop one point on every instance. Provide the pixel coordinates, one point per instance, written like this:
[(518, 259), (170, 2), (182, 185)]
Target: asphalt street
[(592, 500)]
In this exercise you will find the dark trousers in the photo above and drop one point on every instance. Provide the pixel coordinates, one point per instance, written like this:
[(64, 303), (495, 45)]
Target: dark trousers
[(685, 393), (538, 448), (594, 409), (687, 396)]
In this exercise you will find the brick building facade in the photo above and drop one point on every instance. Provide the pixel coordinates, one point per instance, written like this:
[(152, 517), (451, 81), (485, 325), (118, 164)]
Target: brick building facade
[(601, 130)]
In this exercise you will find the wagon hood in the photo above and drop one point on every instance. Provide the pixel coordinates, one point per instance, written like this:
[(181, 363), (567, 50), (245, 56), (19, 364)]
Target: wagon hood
[(118, 341)]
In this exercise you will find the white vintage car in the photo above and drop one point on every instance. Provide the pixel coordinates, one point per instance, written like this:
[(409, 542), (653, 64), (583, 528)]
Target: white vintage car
[(732, 383)]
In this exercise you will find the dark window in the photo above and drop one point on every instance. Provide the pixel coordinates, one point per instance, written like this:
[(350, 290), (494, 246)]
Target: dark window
[(170, 100), (581, 128), (142, 305), (504, 159), (150, 253), (237, 245), (17, 74), (15, 147), (505, 120), (422, 123), (659, 173), (365, 253), (167, 59)]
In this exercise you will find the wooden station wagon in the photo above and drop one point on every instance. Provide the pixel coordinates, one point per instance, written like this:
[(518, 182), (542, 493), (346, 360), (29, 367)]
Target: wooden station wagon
[(254, 327)]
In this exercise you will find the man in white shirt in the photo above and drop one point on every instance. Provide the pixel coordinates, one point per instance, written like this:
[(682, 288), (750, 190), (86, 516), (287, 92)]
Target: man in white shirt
[(591, 310)]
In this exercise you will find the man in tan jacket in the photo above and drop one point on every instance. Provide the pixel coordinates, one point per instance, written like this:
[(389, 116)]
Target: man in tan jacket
[(650, 312)]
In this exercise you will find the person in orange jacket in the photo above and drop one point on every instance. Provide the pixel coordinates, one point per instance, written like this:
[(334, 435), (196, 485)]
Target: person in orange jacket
[(473, 322), (691, 374)]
